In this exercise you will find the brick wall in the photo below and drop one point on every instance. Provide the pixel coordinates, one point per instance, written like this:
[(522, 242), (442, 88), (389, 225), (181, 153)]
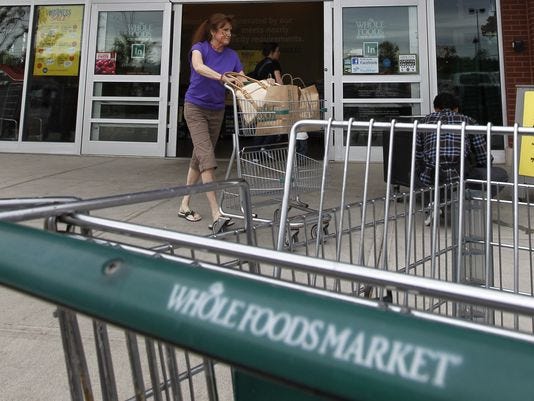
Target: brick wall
[(517, 18)]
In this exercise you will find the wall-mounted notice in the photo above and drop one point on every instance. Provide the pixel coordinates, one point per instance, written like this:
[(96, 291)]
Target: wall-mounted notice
[(57, 40), (364, 65), (408, 63), (526, 155), (106, 63)]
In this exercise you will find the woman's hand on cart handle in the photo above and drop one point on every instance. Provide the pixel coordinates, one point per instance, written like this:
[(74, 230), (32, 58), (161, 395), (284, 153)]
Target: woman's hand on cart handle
[(234, 79)]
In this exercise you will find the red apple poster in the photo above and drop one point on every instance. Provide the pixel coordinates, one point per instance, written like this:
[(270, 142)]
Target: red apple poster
[(106, 63)]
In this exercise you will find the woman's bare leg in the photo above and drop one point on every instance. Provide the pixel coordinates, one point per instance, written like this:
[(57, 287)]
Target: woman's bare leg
[(192, 178), (209, 176)]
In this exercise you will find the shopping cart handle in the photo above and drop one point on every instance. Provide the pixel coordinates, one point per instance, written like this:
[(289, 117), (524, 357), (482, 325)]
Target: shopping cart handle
[(326, 345)]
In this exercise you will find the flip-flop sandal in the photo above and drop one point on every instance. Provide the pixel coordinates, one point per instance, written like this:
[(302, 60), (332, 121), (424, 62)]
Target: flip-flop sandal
[(218, 225), (190, 215)]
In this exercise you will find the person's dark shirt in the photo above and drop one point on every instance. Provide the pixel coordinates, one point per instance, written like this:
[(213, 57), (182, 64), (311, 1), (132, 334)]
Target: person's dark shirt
[(450, 148), (266, 68)]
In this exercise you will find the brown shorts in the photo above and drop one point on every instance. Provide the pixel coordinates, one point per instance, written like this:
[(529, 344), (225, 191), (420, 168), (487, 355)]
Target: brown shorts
[(204, 126)]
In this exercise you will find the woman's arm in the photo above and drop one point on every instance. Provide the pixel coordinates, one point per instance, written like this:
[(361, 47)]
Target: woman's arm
[(198, 64)]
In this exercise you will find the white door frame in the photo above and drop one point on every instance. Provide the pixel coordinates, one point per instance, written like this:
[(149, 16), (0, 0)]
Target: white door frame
[(177, 10), (67, 148), (120, 147), (336, 79), (329, 40)]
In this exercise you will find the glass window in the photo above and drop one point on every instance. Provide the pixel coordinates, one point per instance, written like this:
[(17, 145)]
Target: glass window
[(129, 42), (52, 96), (380, 40), (126, 89), (13, 43), (124, 132), (381, 90), (123, 109), (468, 56), (384, 112)]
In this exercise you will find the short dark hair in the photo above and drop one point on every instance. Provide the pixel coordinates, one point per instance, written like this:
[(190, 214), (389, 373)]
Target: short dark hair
[(268, 48), (446, 100)]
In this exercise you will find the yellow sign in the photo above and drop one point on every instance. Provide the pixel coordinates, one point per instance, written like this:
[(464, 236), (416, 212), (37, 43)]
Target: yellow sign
[(528, 109), (526, 158), (57, 40)]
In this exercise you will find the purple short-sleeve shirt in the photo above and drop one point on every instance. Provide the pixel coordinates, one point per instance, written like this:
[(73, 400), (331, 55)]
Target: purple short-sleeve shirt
[(207, 92)]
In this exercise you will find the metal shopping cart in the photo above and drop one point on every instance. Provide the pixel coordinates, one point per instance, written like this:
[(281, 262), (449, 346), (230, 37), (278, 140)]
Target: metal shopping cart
[(197, 327), (264, 166), (475, 237)]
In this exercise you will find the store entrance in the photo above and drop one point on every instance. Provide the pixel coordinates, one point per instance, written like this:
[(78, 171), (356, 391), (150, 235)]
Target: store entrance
[(381, 69), (296, 27), (127, 80)]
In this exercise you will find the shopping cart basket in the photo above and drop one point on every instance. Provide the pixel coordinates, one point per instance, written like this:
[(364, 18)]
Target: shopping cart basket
[(264, 167)]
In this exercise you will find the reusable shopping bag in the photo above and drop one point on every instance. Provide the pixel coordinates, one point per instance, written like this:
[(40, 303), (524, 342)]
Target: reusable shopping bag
[(250, 96)]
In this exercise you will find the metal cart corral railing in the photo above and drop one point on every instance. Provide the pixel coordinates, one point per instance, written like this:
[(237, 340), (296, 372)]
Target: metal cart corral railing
[(470, 236), (278, 338)]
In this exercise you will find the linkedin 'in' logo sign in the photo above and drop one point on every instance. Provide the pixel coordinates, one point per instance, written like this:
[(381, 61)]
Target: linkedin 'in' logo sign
[(138, 50)]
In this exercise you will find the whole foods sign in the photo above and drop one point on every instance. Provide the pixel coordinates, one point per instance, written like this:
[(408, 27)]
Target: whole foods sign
[(369, 29), (371, 351)]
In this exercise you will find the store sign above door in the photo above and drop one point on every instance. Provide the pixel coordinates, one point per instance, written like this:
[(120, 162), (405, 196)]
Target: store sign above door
[(370, 29)]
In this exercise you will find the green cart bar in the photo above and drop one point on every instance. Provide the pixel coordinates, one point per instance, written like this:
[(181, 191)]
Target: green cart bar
[(320, 344)]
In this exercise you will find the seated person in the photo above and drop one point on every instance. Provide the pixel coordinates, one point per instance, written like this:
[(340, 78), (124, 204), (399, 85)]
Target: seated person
[(446, 108)]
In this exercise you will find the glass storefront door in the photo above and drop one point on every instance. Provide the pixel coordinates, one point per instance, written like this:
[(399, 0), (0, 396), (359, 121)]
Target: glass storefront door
[(127, 80), (468, 62), (14, 25), (39, 98), (380, 66)]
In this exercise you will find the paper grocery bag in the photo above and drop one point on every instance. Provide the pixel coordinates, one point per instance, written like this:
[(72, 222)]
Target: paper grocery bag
[(309, 107), (276, 116)]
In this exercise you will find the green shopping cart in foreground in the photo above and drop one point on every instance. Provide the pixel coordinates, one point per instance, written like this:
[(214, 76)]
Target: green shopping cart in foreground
[(282, 341)]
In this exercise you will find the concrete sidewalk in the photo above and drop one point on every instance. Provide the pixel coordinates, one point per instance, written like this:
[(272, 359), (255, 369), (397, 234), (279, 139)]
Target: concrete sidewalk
[(86, 176)]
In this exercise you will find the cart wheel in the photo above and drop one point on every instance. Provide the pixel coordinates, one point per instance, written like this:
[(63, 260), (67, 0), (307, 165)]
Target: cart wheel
[(276, 216), (293, 239), (325, 228), (313, 231)]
